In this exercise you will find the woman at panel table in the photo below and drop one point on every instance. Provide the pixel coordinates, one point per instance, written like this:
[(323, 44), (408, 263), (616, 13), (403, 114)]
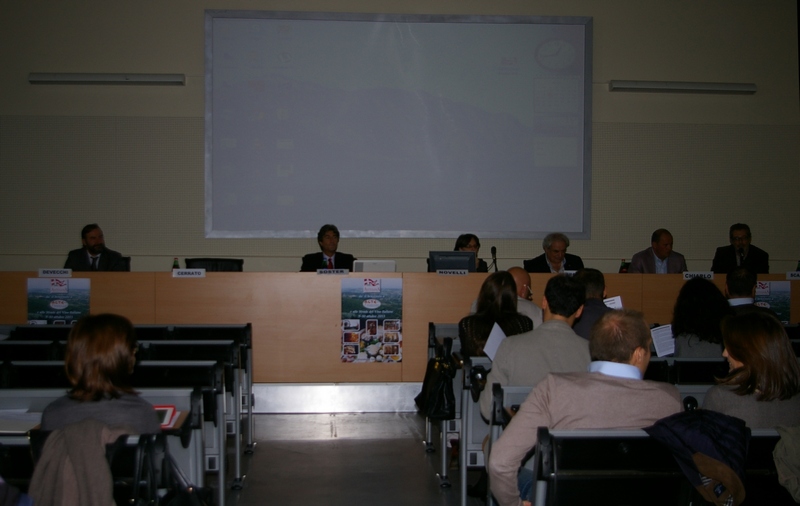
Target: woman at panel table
[(763, 386), (470, 242), (696, 319), (497, 303), (99, 360)]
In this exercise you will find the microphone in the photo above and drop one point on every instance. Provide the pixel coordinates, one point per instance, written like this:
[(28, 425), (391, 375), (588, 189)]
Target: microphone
[(741, 257), (494, 258)]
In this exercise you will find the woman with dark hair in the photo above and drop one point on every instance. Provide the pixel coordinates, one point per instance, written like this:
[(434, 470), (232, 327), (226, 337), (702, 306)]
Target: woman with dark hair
[(699, 309), (470, 242), (99, 361), (497, 303), (763, 386)]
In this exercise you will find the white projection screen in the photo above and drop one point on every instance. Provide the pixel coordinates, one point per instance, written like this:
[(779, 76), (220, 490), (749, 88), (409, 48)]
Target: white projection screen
[(397, 125)]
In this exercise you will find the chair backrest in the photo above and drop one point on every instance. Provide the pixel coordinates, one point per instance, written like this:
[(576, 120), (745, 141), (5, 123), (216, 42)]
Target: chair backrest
[(216, 264), (126, 261)]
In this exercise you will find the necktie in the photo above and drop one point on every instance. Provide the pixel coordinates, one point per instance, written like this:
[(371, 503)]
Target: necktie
[(330, 263), (94, 263)]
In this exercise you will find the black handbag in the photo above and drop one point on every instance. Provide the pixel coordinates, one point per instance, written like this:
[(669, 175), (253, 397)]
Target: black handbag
[(437, 400)]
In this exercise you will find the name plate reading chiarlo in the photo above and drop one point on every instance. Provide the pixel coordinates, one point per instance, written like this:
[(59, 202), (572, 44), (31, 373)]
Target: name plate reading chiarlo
[(452, 272), (55, 273), (793, 276), (698, 274), (333, 271), (188, 273)]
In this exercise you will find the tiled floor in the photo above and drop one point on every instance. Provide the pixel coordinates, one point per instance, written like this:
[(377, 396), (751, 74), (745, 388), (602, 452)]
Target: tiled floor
[(343, 459)]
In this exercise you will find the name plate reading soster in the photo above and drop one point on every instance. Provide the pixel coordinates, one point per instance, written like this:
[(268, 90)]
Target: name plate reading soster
[(452, 272), (333, 271), (55, 273), (698, 274), (188, 273), (793, 276)]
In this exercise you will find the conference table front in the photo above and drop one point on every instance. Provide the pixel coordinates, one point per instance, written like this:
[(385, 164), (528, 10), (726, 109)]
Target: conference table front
[(296, 317)]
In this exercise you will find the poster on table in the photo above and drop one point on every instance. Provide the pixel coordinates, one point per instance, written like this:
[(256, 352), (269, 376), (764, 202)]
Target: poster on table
[(777, 296), (57, 301), (372, 325)]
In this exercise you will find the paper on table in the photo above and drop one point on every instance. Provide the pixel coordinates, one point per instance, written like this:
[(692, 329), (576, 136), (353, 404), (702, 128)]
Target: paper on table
[(613, 302), (496, 337), (663, 340), (14, 421)]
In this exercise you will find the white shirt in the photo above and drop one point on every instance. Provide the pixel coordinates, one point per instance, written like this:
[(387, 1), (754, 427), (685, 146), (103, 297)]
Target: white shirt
[(616, 369), (741, 301)]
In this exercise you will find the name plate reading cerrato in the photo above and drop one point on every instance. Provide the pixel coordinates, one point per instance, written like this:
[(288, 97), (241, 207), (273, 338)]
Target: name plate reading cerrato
[(333, 271), (452, 272), (55, 273), (793, 276), (188, 273), (698, 274)]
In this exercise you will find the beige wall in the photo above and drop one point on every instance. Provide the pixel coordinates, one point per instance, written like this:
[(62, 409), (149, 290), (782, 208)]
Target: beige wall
[(131, 158)]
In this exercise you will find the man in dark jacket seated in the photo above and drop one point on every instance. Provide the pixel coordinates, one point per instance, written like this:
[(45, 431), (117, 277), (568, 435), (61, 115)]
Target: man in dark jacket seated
[(328, 258), (94, 256), (555, 258)]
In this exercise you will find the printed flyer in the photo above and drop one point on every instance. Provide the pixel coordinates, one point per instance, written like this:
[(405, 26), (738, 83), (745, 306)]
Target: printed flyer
[(777, 296), (372, 325), (57, 301)]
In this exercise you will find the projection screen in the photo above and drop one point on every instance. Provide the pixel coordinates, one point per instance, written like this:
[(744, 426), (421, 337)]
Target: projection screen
[(397, 125)]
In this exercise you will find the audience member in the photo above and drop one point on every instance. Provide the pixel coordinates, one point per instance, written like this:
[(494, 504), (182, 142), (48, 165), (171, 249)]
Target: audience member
[(659, 257), (99, 360), (763, 386), (470, 242), (611, 395), (497, 303), (524, 294), (699, 310), (595, 284), (740, 253), (555, 258), (94, 256), (526, 358), (329, 257), (740, 288)]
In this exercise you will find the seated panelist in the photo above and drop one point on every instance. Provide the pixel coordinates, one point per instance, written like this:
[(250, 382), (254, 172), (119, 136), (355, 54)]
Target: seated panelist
[(470, 242), (94, 256), (329, 257), (659, 258), (555, 258)]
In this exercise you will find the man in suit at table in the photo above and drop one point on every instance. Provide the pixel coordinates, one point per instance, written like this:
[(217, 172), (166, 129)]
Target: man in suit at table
[(659, 258), (740, 253), (329, 257), (611, 395), (94, 256), (555, 258)]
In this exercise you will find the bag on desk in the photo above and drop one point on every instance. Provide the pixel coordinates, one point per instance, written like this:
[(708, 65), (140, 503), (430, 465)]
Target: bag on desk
[(437, 400)]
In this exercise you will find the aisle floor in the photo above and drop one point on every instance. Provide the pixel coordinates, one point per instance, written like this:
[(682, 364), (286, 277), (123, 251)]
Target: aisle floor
[(344, 459)]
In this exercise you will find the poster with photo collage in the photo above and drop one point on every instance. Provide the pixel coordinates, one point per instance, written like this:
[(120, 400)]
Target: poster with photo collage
[(372, 324)]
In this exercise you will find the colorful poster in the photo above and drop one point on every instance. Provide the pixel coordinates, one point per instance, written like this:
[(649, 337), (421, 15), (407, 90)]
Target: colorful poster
[(372, 325), (57, 301), (776, 295)]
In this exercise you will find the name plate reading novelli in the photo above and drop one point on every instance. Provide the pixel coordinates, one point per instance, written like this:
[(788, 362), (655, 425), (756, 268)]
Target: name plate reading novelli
[(698, 274), (452, 272), (793, 276), (333, 271), (55, 273), (188, 273)]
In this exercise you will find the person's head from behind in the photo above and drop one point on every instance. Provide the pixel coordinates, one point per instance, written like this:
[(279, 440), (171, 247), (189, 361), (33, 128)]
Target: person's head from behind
[(593, 281), (761, 358), (699, 309), (523, 281), (661, 241), (621, 336), (740, 282), (563, 296), (92, 239), (328, 239), (498, 294), (100, 357)]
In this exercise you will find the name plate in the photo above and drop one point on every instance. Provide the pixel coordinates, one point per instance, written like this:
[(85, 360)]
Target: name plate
[(793, 276), (333, 271), (188, 273), (55, 273), (698, 274), (452, 272)]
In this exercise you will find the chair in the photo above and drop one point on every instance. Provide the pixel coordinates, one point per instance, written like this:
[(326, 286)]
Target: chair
[(215, 264), (126, 261)]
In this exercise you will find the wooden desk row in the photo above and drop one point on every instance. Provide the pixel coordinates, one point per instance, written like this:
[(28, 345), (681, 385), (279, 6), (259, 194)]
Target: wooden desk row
[(296, 317)]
